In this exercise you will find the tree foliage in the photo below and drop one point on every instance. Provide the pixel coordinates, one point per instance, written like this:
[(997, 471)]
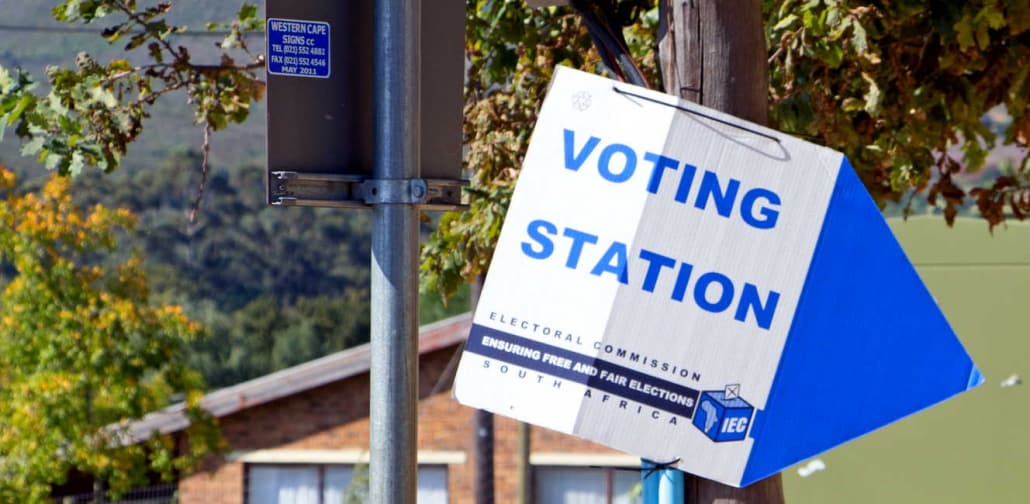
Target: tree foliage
[(512, 51), (91, 113), (899, 86), (83, 351), (902, 88)]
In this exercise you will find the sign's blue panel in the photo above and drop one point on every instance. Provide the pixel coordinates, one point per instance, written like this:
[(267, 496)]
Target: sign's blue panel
[(298, 48), (868, 345)]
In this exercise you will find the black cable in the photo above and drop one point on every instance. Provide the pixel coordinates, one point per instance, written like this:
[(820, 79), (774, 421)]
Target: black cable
[(658, 466), (629, 67), (601, 43), (609, 45), (697, 113)]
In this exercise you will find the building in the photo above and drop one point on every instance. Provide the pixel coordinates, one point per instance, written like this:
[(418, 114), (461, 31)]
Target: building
[(300, 435)]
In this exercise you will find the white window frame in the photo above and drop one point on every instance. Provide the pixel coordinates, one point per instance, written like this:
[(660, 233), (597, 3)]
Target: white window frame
[(321, 460), (607, 462)]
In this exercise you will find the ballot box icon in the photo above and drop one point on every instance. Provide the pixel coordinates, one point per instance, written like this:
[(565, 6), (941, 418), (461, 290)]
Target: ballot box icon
[(723, 416)]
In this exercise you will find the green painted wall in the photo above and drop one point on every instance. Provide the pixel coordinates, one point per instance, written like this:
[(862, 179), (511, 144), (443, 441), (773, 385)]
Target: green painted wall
[(973, 448)]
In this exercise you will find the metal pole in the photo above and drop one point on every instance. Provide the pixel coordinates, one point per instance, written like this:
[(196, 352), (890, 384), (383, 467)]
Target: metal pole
[(650, 480), (661, 486), (394, 369)]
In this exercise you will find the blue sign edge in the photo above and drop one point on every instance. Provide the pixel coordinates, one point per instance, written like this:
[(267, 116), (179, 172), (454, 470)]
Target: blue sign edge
[(868, 345), (328, 49)]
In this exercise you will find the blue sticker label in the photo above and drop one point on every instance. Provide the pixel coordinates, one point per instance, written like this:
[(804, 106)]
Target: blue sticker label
[(723, 416), (298, 48)]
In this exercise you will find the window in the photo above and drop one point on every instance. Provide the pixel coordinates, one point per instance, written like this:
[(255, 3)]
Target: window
[(327, 484), (585, 485)]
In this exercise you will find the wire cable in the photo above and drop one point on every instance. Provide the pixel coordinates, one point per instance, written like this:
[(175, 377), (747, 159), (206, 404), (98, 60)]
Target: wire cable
[(93, 31), (609, 45)]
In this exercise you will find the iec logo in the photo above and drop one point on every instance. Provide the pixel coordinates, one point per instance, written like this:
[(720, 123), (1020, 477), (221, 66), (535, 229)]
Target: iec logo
[(722, 415)]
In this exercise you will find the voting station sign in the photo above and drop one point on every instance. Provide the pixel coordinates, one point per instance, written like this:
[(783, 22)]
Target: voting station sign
[(298, 48), (682, 285)]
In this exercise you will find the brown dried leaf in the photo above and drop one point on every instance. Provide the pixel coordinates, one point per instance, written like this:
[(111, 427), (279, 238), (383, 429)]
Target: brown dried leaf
[(949, 215), (1021, 130)]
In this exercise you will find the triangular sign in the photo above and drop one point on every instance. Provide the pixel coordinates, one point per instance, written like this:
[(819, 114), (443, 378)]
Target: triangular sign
[(868, 345), (682, 285)]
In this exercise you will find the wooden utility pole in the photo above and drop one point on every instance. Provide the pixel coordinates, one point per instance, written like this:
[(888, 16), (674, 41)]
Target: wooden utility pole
[(713, 53)]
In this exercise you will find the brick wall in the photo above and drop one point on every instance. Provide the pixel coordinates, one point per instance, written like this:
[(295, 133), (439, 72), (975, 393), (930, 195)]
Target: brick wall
[(335, 416)]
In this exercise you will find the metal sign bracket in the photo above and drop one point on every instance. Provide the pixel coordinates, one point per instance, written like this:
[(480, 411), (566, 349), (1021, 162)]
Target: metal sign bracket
[(290, 188)]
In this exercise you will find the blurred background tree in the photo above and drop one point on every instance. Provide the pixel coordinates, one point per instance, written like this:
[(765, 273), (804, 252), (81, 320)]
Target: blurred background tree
[(84, 350)]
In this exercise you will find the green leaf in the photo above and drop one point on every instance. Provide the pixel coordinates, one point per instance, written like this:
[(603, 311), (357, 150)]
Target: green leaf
[(840, 28), (53, 160), (873, 95), (995, 19), (229, 41), (785, 7), (964, 31), (54, 103), (785, 22), (137, 40), (155, 52), (23, 103), (859, 40), (983, 37), (119, 65), (32, 146), (76, 164), (104, 96), (112, 34), (808, 18), (247, 12), (835, 56), (852, 105), (6, 82), (834, 14)]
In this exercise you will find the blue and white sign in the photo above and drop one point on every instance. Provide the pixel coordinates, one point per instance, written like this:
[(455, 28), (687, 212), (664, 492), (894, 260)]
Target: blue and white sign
[(298, 48), (679, 284)]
